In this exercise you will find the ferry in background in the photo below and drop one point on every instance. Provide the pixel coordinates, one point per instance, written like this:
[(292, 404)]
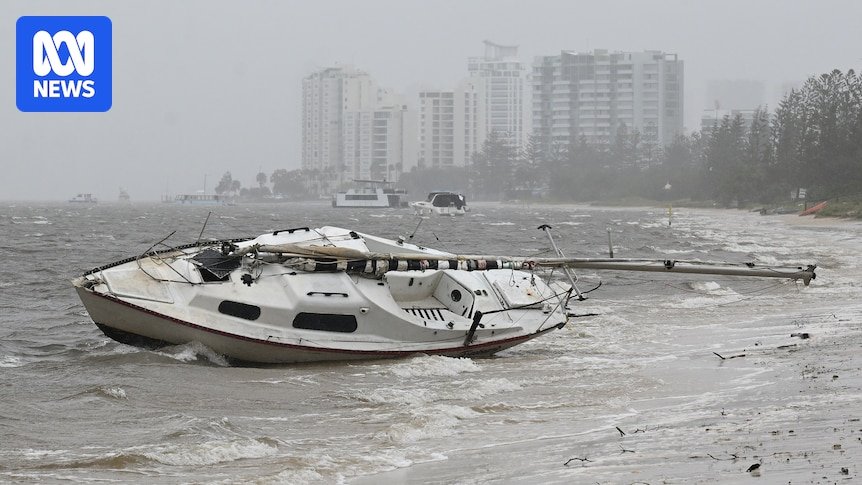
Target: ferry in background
[(124, 196), (442, 204), (204, 199), (374, 194), (84, 199)]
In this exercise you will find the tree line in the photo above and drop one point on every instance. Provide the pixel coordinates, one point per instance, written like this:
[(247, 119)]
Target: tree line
[(812, 140)]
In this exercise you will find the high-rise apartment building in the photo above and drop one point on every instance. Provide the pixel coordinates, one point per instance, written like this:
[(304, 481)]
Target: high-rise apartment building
[(502, 77), (592, 95), (352, 128), (451, 124), (375, 142)]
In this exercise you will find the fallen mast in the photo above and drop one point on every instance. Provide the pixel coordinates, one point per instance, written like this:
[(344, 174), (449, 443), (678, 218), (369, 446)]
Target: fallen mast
[(329, 258)]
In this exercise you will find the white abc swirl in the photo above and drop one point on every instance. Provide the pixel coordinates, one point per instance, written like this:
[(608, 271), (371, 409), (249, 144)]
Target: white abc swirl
[(46, 56)]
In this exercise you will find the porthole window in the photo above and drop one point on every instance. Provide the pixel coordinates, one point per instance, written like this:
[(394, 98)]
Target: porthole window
[(327, 322), (456, 295), (240, 310)]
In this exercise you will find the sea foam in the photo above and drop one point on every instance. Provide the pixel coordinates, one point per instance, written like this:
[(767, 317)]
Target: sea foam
[(433, 365)]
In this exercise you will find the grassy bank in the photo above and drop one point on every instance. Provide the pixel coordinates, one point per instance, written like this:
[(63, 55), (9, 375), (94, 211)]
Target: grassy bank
[(848, 207)]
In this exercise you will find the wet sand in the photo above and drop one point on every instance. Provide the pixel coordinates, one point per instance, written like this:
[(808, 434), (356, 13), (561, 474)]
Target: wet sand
[(767, 397)]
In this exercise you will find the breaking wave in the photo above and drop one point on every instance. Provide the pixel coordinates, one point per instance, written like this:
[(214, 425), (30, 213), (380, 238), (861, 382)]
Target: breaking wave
[(194, 351), (433, 365)]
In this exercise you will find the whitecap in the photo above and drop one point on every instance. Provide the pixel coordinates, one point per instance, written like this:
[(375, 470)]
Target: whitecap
[(424, 423), (114, 392), (411, 397), (433, 365), (194, 351), (670, 251), (211, 452), (705, 286), (705, 301), (33, 454), (11, 361)]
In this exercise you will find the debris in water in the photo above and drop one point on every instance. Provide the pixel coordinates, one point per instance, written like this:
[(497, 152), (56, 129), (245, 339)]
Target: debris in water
[(727, 358), (576, 458)]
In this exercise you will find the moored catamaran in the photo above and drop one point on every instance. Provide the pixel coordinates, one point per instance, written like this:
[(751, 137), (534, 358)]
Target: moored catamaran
[(302, 295)]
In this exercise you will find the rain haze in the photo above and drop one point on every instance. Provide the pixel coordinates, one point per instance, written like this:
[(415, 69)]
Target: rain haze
[(205, 87)]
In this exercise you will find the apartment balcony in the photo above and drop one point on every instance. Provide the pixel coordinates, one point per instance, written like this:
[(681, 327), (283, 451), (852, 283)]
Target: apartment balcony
[(594, 125)]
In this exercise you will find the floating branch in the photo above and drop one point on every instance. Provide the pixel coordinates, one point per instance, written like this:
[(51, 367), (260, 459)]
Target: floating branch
[(576, 459), (728, 358)]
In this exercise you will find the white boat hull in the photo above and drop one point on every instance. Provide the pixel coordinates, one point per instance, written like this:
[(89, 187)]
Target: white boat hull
[(284, 316), (441, 204), (135, 325), (426, 209)]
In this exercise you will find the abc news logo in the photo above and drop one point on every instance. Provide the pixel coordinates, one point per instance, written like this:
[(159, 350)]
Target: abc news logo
[(64, 64), (46, 58)]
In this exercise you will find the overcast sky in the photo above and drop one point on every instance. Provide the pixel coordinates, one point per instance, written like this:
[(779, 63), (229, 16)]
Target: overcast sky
[(202, 87)]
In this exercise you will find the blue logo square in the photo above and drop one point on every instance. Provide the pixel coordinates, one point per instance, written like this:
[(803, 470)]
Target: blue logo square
[(63, 64)]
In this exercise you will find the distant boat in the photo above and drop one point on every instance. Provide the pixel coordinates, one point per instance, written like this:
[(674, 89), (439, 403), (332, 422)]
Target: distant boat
[(375, 194), (84, 199), (124, 196), (442, 204), (204, 199)]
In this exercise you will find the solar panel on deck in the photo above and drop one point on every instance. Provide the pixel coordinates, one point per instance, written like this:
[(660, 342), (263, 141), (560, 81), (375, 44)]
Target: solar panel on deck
[(216, 264)]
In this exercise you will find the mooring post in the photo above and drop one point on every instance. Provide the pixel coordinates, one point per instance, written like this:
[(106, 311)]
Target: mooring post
[(610, 244)]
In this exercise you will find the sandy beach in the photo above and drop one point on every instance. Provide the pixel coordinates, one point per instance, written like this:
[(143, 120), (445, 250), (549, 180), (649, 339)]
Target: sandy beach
[(770, 398)]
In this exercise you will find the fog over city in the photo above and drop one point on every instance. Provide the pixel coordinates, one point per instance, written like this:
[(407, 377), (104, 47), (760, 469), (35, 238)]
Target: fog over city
[(205, 87)]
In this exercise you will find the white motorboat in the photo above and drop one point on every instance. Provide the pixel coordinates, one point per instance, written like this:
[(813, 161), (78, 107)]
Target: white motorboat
[(442, 204), (303, 295)]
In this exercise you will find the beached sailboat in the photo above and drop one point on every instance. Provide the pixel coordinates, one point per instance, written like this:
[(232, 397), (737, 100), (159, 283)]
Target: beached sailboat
[(303, 295)]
